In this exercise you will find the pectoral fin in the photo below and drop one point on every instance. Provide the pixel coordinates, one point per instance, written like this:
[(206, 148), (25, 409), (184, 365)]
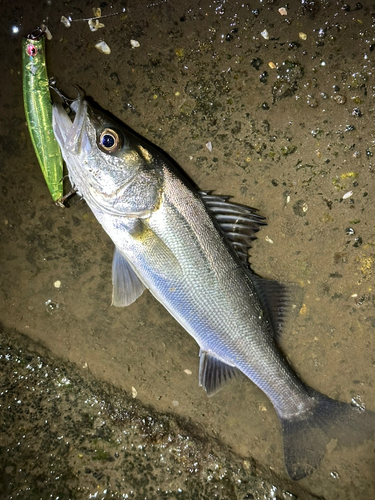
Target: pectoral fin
[(214, 373), (126, 286)]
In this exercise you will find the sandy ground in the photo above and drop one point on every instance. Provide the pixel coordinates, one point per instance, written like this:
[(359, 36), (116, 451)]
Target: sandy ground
[(289, 114)]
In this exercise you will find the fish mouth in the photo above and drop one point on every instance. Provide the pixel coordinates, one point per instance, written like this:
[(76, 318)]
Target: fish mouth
[(70, 134), (74, 141), (74, 138)]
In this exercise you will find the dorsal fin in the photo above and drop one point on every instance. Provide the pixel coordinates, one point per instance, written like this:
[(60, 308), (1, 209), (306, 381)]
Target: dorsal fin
[(276, 300), (214, 373), (238, 223)]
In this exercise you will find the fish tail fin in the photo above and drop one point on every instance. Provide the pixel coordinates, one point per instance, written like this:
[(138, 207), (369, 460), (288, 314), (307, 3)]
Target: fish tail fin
[(306, 438)]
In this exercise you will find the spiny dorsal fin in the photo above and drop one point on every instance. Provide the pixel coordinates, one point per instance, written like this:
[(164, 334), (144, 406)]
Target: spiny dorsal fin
[(238, 223), (214, 373)]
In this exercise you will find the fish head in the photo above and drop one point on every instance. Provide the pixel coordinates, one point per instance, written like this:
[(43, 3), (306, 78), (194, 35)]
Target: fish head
[(106, 162)]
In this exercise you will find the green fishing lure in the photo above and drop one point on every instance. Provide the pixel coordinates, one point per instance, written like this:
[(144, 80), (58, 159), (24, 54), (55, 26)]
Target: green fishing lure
[(38, 110)]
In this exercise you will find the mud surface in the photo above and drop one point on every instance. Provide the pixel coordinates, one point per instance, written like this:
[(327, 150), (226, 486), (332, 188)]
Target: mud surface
[(290, 117)]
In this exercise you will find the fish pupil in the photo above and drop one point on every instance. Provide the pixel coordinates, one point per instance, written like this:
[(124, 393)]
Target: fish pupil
[(108, 141)]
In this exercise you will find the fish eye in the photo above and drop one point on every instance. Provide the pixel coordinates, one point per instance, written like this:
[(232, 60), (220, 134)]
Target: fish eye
[(109, 141), (31, 50)]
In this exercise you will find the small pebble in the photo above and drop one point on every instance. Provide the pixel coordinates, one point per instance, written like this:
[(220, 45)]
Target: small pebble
[(339, 99), (57, 284), (312, 101), (303, 309), (134, 392)]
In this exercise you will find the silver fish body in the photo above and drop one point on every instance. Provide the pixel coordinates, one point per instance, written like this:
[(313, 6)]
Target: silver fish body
[(189, 249)]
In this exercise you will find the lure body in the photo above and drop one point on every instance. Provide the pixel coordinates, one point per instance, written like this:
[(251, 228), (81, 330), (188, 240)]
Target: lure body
[(38, 111)]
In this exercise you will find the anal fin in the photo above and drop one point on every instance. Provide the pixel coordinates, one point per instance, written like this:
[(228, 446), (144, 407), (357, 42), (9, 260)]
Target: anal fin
[(214, 373)]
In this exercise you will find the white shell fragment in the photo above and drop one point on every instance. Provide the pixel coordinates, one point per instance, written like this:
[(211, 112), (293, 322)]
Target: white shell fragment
[(189, 372), (95, 25), (267, 238), (283, 11), (135, 44), (134, 392), (209, 146), (265, 34), (65, 21), (57, 284), (302, 36), (347, 195), (103, 47)]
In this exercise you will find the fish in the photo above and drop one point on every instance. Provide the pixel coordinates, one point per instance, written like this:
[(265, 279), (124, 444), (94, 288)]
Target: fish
[(189, 248)]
